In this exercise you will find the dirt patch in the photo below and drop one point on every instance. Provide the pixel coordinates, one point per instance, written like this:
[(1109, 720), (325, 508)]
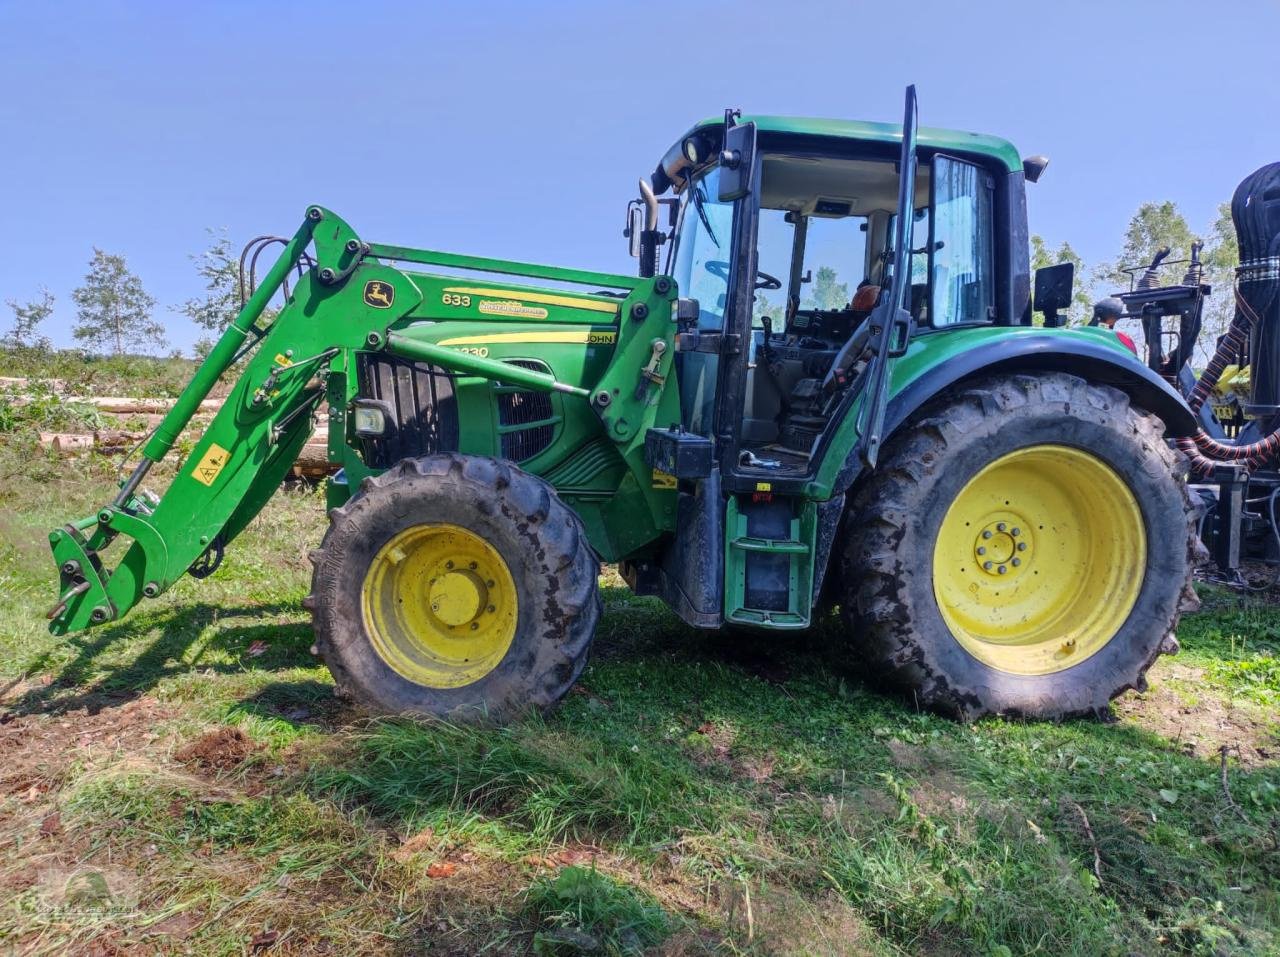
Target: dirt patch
[(712, 744), (217, 751), (941, 792), (777, 920), (37, 750), (1200, 721), (909, 757)]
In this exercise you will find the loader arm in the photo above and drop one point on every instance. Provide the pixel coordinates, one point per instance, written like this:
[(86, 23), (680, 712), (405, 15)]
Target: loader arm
[(348, 300)]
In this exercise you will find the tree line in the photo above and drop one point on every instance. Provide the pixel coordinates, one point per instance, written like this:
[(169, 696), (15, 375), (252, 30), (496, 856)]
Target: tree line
[(115, 314), (1155, 225)]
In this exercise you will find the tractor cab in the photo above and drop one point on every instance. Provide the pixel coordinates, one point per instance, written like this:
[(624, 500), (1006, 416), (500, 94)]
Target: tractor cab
[(789, 275)]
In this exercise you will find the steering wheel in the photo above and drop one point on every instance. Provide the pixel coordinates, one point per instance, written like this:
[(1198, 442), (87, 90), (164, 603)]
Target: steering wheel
[(720, 269)]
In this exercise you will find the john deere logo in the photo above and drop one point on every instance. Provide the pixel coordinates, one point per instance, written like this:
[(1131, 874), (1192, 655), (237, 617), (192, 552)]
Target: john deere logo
[(380, 295)]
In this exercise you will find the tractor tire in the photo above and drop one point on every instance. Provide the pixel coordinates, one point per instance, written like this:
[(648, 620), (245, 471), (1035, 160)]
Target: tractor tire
[(455, 586), (1025, 548)]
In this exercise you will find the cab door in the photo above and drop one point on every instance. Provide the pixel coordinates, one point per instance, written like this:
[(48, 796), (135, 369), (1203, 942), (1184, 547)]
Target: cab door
[(739, 180), (891, 322)]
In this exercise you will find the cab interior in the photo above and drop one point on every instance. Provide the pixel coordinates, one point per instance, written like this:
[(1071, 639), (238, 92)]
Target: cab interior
[(824, 256)]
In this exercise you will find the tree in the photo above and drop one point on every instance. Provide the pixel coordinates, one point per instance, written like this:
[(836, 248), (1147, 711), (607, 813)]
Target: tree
[(113, 308), (1081, 308), (220, 269), (1152, 226), (827, 293), (1162, 224), (26, 322)]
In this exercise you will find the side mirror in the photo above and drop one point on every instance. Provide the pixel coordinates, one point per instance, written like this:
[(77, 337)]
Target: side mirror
[(737, 161), (634, 227), (1054, 288)]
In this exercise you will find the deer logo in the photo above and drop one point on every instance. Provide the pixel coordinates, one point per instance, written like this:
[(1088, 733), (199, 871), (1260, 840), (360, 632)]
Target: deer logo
[(378, 294)]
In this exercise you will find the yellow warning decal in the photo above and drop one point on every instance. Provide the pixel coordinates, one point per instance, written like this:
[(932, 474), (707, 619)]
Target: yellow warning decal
[(282, 360), (764, 486), (663, 479), (210, 464)]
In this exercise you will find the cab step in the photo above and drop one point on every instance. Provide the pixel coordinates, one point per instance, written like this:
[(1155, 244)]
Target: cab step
[(769, 560)]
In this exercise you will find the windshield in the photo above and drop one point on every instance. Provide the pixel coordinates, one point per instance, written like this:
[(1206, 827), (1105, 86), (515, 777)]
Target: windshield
[(701, 266), (701, 271)]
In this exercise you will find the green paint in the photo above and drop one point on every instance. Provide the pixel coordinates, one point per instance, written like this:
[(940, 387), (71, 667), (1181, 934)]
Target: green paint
[(927, 351), (352, 301)]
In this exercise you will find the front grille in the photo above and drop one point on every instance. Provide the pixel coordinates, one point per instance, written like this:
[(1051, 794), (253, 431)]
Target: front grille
[(423, 404), (517, 407)]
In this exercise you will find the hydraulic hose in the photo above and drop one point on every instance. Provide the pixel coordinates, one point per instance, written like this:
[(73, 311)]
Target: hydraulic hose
[(1257, 283)]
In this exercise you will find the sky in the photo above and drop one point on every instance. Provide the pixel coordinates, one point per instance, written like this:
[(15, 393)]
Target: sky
[(518, 130)]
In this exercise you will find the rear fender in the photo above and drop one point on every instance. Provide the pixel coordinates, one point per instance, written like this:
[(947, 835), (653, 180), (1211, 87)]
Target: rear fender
[(1086, 355)]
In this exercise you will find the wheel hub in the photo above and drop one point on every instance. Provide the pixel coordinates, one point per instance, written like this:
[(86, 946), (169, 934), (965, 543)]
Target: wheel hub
[(440, 605), (457, 597), (1002, 546)]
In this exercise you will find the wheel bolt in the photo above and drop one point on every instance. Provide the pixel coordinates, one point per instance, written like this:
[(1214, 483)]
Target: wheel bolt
[(474, 625), (472, 566), (491, 609), (489, 583), (1016, 562), (987, 533), (1015, 531), (448, 564), (987, 565), (435, 607), (1022, 546), (982, 550), (1002, 569), (1000, 527)]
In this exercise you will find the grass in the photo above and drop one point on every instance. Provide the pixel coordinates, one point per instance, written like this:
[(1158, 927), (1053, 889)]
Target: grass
[(185, 781), (85, 374)]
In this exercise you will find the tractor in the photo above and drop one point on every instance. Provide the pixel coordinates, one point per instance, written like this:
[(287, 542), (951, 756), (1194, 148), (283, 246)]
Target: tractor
[(998, 509)]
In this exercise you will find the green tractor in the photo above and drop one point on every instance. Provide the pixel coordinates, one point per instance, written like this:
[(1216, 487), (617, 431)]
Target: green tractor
[(993, 506)]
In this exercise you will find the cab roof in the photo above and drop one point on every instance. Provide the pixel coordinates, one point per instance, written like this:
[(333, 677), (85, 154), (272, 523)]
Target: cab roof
[(929, 138)]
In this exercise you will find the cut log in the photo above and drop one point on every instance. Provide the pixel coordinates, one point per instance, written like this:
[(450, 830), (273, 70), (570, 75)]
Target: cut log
[(125, 405), (313, 461), (75, 441)]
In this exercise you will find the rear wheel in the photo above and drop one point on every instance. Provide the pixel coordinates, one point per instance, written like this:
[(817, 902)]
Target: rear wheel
[(455, 586), (1026, 547)]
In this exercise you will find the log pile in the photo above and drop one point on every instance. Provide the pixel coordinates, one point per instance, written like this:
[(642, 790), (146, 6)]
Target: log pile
[(127, 414)]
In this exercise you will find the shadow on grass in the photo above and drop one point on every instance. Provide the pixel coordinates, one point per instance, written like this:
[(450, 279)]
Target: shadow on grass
[(92, 680), (298, 702)]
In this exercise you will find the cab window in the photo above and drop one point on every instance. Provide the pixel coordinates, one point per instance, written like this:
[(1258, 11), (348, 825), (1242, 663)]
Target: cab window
[(961, 244)]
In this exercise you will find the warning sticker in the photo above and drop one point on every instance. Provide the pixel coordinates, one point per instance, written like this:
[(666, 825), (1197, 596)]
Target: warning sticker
[(663, 479), (210, 464)]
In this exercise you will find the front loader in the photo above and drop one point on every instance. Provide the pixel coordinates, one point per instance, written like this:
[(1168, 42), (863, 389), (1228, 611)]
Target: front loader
[(992, 505)]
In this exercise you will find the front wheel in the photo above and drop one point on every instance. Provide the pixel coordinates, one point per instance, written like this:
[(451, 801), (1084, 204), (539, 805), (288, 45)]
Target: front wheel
[(1025, 548), (455, 586)]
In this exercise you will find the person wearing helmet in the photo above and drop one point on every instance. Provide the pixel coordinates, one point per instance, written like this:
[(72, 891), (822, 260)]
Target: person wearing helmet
[(1107, 312)]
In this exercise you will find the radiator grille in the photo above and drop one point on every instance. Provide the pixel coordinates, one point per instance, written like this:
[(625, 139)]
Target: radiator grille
[(425, 410), (520, 407)]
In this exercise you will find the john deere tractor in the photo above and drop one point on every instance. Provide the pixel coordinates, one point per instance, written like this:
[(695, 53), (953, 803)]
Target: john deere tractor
[(823, 388)]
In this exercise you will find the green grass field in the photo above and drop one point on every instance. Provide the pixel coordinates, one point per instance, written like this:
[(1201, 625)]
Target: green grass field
[(185, 781)]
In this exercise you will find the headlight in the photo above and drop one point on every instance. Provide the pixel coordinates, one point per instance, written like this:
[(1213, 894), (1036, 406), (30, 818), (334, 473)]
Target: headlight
[(371, 418)]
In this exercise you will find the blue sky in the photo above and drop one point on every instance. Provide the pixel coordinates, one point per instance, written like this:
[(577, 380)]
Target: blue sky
[(519, 129)]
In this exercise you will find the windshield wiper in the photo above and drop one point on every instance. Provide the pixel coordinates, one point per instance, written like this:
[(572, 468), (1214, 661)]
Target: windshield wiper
[(699, 198)]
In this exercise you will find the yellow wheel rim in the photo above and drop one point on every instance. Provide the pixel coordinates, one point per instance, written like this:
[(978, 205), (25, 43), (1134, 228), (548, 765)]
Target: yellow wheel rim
[(1039, 560), (440, 605)]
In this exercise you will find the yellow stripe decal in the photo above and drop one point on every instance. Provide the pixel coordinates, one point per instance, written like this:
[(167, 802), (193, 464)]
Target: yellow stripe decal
[(573, 302), (583, 336)]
